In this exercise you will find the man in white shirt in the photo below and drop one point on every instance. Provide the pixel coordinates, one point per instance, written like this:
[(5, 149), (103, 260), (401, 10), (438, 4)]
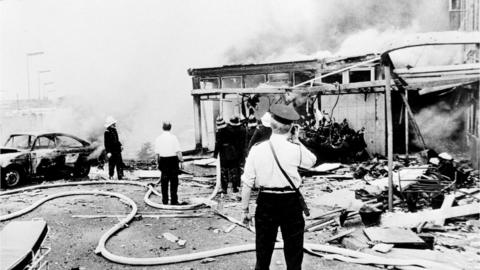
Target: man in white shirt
[(278, 205), (169, 156)]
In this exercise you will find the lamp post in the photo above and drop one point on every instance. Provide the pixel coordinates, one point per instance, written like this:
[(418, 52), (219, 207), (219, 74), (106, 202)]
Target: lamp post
[(39, 85), (45, 92), (28, 70)]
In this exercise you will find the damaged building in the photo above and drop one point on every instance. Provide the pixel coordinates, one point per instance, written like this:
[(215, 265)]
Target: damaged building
[(432, 107)]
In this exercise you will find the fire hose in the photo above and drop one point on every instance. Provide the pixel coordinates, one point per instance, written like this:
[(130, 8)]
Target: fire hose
[(334, 252)]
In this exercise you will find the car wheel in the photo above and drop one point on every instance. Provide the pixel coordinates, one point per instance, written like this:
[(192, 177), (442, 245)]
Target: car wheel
[(82, 170), (12, 177)]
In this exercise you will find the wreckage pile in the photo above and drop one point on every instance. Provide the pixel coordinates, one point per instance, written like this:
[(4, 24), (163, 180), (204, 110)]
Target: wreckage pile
[(436, 208), (334, 142)]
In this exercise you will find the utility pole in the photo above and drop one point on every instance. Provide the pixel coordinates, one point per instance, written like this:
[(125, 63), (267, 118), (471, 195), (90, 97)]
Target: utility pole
[(45, 92), (28, 70), (388, 106), (39, 84)]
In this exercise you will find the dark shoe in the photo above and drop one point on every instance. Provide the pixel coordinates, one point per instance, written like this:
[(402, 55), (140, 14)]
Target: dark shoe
[(174, 203), (222, 191), (180, 203)]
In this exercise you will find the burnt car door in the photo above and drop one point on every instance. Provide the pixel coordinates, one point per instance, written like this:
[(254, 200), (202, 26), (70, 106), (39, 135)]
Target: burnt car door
[(44, 156), (75, 153)]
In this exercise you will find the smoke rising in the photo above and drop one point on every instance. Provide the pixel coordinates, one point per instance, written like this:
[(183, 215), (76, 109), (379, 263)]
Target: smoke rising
[(442, 126), (128, 59), (337, 27)]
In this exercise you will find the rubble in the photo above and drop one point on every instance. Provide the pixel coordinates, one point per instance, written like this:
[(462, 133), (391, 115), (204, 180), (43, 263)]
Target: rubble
[(383, 248), (437, 206), (332, 141)]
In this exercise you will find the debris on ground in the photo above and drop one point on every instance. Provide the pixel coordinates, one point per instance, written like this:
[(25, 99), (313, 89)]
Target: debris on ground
[(208, 260), (170, 237), (436, 207)]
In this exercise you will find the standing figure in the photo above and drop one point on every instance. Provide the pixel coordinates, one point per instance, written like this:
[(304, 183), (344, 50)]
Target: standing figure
[(278, 205), (169, 157), (225, 147), (238, 135), (113, 148)]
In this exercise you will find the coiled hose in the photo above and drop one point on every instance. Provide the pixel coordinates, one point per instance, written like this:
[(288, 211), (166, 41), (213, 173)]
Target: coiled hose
[(335, 252)]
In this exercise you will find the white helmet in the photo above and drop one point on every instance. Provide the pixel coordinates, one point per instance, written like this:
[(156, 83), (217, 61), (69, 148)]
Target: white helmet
[(266, 118), (110, 121)]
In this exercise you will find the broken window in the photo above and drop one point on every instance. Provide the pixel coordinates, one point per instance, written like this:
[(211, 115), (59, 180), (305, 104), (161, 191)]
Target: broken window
[(44, 143), (67, 142), (333, 78), (457, 5), (457, 16), (232, 82), (209, 83), (279, 78), (360, 76), (252, 81), (303, 77), (19, 142)]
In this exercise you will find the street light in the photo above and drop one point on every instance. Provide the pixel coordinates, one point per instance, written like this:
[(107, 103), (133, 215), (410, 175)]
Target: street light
[(45, 92), (39, 86), (28, 70)]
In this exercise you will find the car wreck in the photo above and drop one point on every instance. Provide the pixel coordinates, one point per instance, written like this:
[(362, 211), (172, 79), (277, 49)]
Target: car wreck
[(27, 156)]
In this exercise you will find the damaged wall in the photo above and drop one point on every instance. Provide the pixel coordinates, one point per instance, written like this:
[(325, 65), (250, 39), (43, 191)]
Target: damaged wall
[(464, 16), (361, 110)]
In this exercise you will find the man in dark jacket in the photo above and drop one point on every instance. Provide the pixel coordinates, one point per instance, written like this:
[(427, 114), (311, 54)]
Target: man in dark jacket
[(238, 134), (113, 147), (226, 146)]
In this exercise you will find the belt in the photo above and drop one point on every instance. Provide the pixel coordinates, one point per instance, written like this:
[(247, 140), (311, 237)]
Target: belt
[(277, 190)]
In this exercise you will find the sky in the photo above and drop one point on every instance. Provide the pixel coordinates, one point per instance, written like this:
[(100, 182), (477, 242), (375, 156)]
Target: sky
[(129, 58)]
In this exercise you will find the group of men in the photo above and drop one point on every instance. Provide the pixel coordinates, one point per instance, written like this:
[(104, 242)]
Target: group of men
[(168, 153), (233, 142), (271, 154)]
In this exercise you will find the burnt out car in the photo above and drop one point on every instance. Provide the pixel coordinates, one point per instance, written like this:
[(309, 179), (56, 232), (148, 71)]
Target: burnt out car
[(28, 156)]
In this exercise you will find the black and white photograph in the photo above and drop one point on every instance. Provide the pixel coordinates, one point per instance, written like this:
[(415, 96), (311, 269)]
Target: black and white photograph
[(227, 134)]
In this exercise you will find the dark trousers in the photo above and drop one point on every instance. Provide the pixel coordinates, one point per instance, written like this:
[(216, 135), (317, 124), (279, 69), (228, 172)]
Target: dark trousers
[(173, 181), (115, 161), (169, 168), (230, 175), (284, 211), (230, 172)]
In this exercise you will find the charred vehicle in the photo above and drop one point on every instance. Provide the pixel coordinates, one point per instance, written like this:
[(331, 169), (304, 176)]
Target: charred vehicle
[(36, 156)]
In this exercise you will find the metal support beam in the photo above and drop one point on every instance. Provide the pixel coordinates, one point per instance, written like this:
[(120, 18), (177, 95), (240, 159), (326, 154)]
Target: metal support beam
[(388, 107), (406, 125), (197, 118)]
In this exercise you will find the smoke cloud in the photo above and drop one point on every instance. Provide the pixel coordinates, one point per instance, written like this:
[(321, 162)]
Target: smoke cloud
[(442, 126), (337, 27), (128, 59)]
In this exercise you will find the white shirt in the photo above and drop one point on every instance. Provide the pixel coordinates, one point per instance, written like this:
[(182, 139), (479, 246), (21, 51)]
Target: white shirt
[(261, 169), (167, 145)]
